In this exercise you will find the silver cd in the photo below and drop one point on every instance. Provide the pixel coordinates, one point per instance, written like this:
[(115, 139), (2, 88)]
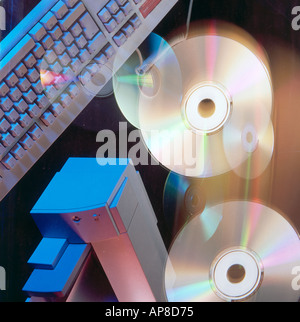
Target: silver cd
[(235, 251)]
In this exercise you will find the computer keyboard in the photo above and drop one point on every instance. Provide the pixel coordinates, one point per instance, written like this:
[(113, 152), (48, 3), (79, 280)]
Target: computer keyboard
[(54, 63)]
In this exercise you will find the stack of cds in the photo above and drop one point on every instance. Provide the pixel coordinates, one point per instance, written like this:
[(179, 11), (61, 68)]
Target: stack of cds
[(204, 107)]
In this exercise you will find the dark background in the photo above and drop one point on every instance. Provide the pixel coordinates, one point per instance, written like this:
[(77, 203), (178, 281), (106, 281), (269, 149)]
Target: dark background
[(268, 21)]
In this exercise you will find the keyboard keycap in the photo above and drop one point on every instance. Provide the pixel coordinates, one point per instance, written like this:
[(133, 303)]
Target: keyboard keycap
[(24, 84), (49, 21), (18, 152), (4, 89), (9, 162), (90, 29), (11, 79), (48, 118), (26, 142), (104, 15), (38, 32), (20, 70), (4, 126), (6, 104), (60, 10), (70, 3), (112, 7), (72, 16), (35, 132)]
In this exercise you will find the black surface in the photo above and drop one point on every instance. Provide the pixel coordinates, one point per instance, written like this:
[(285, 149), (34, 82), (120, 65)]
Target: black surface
[(268, 21)]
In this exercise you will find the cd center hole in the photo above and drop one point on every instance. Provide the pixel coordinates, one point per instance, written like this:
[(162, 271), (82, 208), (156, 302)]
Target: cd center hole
[(206, 108), (236, 273)]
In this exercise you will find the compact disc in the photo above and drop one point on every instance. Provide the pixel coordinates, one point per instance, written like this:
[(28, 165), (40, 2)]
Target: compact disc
[(249, 143), (185, 197), (234, 251), (221, 79), (145, 75)]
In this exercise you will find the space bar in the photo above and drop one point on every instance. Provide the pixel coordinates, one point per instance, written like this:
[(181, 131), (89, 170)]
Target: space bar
[(15, 56)]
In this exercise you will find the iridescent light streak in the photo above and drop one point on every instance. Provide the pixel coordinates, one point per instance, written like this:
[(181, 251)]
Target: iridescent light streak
[(144, 81), (282, 252), (191, 292), (211, 51), (251, 216), (51, 78)]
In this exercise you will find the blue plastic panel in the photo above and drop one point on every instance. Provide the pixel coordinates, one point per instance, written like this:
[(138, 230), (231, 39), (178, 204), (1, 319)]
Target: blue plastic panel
[(57, 282), (48, 253), (81, 185)]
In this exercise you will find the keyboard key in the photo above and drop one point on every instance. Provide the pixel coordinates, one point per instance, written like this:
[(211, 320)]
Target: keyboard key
[(6, 103), (135, 22), (11, 79), (24, 84), (16, 130), (90, 29), (47, 42), (72, 16), (109, 51), (25, 120), (21, 106), (29, 61), (20, 70), (56, 33), (101, 59), (84, 55), (67, 39), (15, 94), (9, 162), (70, 3), (51, 92), (7, 140), (12, 116), (65, 59), (18, 152), (121, 2), (38, 87), (34, 111), (4, 126), (56, 109), (60, 10), (26, 142), (30, 96), (127, 8), (104, 15), (2, 150), (111, 25), (97, 43), (119, 17), (42, 101), (120, 39), (4, 89), (35, 132), (73, 50), (50, 56), (128, 30), (81, 41), (33, 75), (73, 91), (65, 100), (76, 30), (112, 7), (38, 32), (38, 51), (59, 47), (76, 65), (48, 118), (49, 21)]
